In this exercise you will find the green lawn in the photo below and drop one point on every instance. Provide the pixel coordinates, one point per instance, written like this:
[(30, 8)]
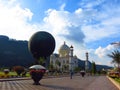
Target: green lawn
[(10, 74), (117, 79)]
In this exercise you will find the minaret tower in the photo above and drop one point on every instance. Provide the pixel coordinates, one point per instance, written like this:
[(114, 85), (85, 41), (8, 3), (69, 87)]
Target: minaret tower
[(86, 63)]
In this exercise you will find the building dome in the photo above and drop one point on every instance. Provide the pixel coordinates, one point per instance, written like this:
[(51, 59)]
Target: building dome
[(64, 50)]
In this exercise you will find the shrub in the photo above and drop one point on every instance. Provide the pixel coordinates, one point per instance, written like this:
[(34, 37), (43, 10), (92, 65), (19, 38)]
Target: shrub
[(114, 74), (18, 69)]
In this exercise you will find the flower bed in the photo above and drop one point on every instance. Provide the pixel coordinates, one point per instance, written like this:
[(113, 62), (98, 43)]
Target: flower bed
[(39, 71), (114, 75)]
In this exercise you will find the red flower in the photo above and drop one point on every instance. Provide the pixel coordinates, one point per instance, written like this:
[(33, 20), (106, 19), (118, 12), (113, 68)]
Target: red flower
[(42, 71)]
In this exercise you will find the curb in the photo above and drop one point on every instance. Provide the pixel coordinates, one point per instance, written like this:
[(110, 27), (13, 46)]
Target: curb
[(14, 79), (114, 82), (29, 78)]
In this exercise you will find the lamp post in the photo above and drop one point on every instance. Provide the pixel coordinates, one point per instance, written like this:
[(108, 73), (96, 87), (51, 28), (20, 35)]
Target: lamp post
[(71, 70), (71, 63)]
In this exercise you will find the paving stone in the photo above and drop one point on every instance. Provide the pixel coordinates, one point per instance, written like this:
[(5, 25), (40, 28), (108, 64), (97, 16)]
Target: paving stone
[(62, 83)]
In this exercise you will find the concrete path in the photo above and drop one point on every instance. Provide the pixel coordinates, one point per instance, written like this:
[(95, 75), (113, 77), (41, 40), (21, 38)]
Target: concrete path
[(64, 83)]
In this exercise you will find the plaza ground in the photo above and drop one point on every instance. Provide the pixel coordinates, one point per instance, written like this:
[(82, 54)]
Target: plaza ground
[(62, 83)]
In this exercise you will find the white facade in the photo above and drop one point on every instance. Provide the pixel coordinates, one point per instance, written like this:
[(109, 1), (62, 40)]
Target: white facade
[(65, 59)]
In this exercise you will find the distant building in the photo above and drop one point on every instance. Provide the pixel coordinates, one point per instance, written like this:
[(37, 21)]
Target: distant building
[(65, 60)]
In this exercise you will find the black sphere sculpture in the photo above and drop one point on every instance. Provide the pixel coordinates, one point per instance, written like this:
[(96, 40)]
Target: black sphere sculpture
[(41, 44)]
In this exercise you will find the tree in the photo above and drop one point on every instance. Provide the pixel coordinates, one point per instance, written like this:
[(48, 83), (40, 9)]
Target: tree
[(115, 55), (18, 69), (41, 61), (93, 68), (51, 67), (58, 63), (77, 69)]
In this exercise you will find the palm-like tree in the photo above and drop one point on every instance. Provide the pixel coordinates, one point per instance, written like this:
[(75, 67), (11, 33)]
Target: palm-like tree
[(115, 55)]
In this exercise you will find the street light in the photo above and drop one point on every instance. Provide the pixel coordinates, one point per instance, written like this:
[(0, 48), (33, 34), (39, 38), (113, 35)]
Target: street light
[(71, 63), (71, 70)]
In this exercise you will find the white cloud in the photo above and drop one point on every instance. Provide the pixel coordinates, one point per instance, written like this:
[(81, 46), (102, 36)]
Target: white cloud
[(14, 20), (101, 22), (99, 55), (78, 11), (83, 25), (57, 20), (62, 7), (98, 32), (63, 24), (102, 52), (83, 21)]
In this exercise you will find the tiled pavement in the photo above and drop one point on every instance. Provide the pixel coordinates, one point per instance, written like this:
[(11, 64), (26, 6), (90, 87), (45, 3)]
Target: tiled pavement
[(64, 83)]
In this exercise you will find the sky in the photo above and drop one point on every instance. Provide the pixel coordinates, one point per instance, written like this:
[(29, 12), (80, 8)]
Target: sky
[(88, 25)]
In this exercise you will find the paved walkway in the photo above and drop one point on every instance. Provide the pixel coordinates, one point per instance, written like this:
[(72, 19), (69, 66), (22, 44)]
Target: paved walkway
[(64, 83)]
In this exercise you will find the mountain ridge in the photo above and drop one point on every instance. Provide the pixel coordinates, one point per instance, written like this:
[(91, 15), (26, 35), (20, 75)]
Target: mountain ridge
[(15, 52)]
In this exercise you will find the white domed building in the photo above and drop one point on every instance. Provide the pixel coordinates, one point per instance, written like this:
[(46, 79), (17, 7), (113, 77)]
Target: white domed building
[(64, 60), (64, 50)]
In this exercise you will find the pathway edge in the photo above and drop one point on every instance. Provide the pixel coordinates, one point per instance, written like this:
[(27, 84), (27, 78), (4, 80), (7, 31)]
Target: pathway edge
[(114, 82)]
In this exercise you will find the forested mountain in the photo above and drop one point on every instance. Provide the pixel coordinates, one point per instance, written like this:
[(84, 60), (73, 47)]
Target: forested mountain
[(13, 52), (81, 64)]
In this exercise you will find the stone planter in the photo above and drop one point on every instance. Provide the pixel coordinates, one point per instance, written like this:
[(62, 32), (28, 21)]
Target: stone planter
[(82, 73), (6, 71), (37, 73)]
